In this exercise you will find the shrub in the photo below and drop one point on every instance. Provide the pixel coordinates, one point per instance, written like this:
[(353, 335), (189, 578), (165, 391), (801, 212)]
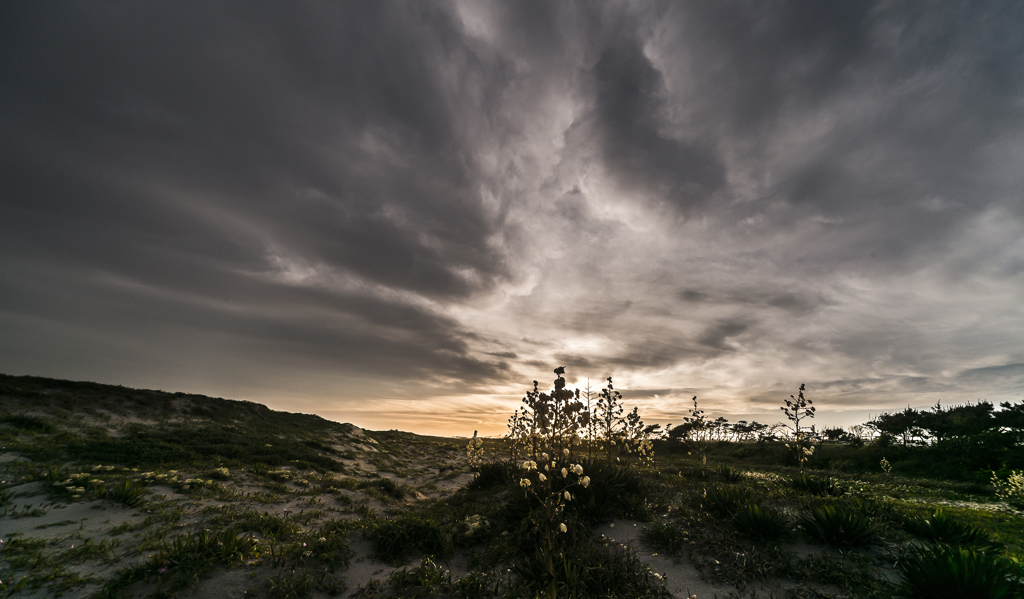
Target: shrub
[(817, 486), (614, 492), (665, 537), (394, 539), (493, 475), (722, 501), (590, 569), (386, 485), (955, 572), (127, 492), (837, 525), (1011, 490), (943, 528), (728, 474), (754, 520)]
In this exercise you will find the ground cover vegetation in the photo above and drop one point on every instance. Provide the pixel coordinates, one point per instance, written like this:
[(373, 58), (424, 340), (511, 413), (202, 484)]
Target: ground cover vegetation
[(112, 492)]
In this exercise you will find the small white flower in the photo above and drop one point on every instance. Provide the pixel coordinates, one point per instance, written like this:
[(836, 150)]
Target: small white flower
[(542, 477), (545, 456), (525, 482), (562, 527), (565, 452), (585, 482), (578, 469), (568, 497), (565, 473)]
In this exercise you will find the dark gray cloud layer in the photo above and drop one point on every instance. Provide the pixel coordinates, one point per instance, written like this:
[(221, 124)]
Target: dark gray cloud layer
[(336, 201)]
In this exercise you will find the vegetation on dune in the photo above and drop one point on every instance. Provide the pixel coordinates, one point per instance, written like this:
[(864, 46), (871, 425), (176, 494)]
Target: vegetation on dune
[(206, 485)]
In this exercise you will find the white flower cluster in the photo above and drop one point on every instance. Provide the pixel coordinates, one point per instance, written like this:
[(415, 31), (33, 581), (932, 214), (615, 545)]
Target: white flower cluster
[(475, 450)]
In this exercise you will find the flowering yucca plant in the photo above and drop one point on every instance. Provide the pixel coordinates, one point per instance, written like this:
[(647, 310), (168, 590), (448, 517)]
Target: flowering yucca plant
[(610, 423), (475, 451), (637, 439), (796, 409), (546, 432)]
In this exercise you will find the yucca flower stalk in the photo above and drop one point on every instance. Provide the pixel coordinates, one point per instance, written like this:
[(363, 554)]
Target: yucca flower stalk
[(475, 451), (796, 409), (547, 430)]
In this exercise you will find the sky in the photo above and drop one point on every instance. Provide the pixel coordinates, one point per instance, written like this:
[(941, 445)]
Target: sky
[(401, 214)]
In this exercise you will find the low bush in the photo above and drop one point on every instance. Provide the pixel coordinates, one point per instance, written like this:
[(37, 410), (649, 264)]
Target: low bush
[(823, 487), (665, 537), (394, 539), (728, 474), (955, 572), (127, 492), (723, 501), (838, 525), (614, 492), (943, 528), (757, 521), (494, 475), (590, 569)]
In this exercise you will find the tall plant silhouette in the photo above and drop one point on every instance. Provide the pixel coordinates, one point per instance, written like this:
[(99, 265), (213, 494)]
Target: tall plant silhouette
[(796, 409)]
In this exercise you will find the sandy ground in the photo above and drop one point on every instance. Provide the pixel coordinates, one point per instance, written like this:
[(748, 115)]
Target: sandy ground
[(63, 525)]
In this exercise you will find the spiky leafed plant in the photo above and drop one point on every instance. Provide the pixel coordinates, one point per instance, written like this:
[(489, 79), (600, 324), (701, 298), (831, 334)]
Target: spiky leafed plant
[(723, 501), (754, 520), (838, 525), (728, 474), (941, 527), (817, 486), (956, 572)]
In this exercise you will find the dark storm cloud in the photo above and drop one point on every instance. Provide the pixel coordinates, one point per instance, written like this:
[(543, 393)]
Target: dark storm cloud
[(177, 146), (327, 127), (629, 99), (452, 196)]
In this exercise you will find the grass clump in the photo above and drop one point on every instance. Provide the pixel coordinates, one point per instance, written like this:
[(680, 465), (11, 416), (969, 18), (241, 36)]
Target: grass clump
[(386, 486), (494, 475), (756, 521), (666, 537), (728, 474), (590, 569), (838, 525), (127, 492), (183, 560), (941, 527), (394, 539), (823, 487), (723, 501), (955, 572)]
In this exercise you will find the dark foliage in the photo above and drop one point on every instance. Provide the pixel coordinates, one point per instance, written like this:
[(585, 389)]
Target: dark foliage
[(838, 525), (955, 572)]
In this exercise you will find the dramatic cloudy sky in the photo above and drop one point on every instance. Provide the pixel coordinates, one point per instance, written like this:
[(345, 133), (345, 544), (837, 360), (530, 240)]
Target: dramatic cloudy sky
[(400, 214)]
